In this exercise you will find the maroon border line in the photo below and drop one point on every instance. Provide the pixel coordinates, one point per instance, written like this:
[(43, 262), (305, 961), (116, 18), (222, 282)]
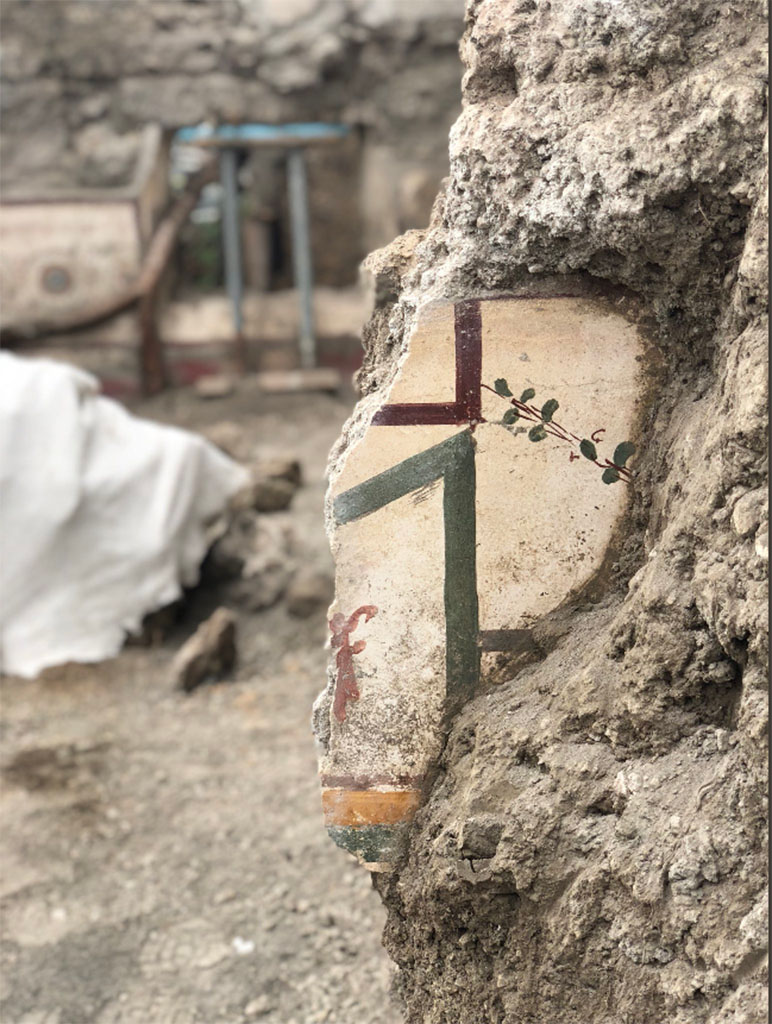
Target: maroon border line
[(467, 407)]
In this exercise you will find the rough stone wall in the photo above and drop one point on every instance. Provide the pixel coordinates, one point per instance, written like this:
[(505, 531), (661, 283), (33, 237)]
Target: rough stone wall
[(592, 850), (80, 78)]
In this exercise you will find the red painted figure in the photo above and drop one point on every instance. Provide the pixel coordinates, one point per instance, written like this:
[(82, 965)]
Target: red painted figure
[(346, 688)]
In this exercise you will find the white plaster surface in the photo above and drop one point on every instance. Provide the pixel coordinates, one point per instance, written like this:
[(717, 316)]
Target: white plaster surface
[(429, 372), (384, 560), (543, 521)]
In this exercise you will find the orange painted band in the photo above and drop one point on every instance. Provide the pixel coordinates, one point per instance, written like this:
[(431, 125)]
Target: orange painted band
[(369, 806)]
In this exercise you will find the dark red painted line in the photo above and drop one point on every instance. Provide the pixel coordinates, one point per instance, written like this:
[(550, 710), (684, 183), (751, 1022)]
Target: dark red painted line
[(468, 404), (468, 318), (411, 414)]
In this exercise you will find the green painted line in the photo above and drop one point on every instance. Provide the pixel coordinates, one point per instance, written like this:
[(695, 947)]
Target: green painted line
[(453, 462), (372, 843), (462, 653), (417, 471)]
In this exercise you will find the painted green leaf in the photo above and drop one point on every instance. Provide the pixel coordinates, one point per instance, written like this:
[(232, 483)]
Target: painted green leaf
[(622, 453), (548, 409), (610, 475), (527, 395), (588, 449), (502, 388), (510, 416), (537, 433)]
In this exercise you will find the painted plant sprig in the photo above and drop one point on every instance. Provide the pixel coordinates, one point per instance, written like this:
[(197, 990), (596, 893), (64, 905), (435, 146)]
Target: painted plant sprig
[(545, 425)]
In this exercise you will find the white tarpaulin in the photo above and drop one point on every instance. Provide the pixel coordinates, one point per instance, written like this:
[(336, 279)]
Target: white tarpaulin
[(102, 515)]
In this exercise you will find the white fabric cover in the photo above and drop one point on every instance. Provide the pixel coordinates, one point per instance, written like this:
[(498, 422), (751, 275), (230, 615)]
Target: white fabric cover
[(102, 515)]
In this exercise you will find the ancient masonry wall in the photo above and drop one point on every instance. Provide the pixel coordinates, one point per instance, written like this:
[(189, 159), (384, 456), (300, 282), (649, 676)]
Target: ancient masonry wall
[(81, 79), (587, 838)]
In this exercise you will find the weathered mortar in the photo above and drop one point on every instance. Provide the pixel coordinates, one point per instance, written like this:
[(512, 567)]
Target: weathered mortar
[(592, 849)]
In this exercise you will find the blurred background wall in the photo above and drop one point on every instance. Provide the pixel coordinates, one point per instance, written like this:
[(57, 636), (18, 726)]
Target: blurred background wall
[(83, 80), (80, 79)]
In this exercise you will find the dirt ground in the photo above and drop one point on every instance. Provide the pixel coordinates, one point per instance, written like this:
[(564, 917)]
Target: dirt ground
[(162, 857)]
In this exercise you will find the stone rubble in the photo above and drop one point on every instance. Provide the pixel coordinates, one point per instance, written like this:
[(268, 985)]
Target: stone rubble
[(208, 655), (265, 494), (268, 566), (308, 592), (215, 385)]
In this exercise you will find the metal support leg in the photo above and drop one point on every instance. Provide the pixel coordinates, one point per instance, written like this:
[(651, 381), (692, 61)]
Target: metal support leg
[(232, 248), (301, 253)]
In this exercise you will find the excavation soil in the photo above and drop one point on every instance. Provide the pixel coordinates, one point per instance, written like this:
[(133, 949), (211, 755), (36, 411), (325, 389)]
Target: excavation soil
[(162, 855)]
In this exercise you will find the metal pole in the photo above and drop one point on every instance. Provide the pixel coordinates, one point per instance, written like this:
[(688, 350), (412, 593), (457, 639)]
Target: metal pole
[(301, 253), (232, 247)]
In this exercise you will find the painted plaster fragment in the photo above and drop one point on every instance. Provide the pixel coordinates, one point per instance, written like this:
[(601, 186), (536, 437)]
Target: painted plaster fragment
[(443, 520)]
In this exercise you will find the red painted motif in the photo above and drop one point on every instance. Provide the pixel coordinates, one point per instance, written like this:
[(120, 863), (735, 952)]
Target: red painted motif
[(346, 688)]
